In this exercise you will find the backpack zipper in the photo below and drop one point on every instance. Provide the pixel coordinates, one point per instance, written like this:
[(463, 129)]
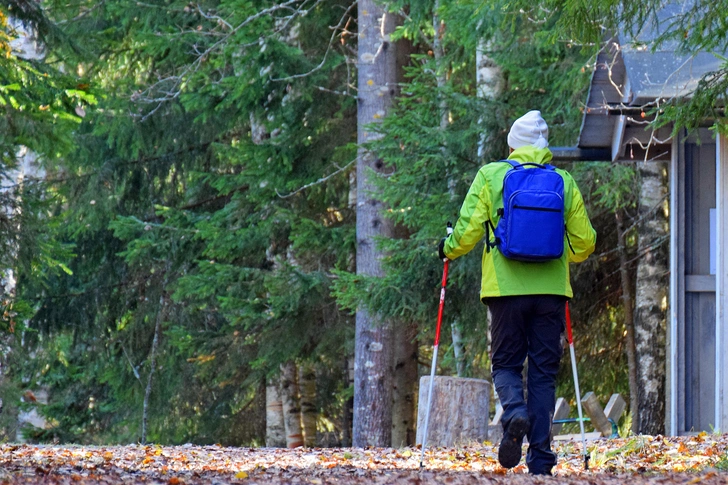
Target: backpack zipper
[(542, 209)]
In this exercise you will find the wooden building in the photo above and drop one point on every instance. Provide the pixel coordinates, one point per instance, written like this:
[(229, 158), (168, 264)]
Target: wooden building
[(628, 81)]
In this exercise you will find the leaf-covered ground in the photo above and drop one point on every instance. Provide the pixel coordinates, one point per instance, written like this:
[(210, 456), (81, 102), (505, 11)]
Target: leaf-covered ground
[(641, 460)]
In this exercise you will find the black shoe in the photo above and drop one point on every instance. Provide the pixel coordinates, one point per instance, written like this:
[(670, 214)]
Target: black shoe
[(509, 452)]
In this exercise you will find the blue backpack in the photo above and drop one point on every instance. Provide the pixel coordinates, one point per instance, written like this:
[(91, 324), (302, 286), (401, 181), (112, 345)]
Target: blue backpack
[(531, 227)]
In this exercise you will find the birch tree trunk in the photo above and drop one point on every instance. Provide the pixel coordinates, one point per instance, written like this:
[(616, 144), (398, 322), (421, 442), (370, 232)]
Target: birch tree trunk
[(11, 192), (628, 304), (489, 82), (403, 393), (651, 297), (291, 406), (275, 430), (26, 46), (377, 87), (458, 348), (309, 413)]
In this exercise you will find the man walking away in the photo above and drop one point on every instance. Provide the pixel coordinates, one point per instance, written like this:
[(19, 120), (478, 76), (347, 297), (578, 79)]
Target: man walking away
[(526, 296)]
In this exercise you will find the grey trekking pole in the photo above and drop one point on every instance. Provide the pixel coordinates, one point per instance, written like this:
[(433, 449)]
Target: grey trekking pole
[(576, 385), (434, 352)]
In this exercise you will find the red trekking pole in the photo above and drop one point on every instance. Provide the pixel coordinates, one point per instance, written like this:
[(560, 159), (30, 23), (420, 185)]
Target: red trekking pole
[(434, 352), (576, 385)]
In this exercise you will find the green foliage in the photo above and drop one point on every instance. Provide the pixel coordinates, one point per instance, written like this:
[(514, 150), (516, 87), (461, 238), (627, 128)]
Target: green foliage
[(170, 205), (41, 104), (432, 167), (206, 186)]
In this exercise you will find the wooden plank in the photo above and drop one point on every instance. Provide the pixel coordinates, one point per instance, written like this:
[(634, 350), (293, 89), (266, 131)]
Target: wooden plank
[(561, 411), (680, 250), (577, 436), (721, 329), (699, 330), (692, 356), (615, 408), (706, 366), (671, 341), (700, 283), (596, 414)]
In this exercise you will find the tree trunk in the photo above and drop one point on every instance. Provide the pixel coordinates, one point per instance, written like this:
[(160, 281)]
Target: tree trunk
[(347, 419), (458, 412), (377, 87), (27, 170), (291, 407), (275, 430), (403, 394), (489, 82), (458, 348), (152, 365), (651, 297), (309, 413), (26, 46), (628, 305)]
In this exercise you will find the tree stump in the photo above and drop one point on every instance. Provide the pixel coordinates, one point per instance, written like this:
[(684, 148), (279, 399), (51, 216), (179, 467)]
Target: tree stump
[(459, 411)]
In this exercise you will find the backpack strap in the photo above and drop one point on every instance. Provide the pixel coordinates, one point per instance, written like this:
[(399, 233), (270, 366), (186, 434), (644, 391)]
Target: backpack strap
[(515, 164), (488, 227), (488, 223), (510, 162), (545, 166)]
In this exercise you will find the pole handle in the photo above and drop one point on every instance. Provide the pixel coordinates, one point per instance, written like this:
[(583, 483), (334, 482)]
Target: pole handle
[(569, 336), (442, 302)]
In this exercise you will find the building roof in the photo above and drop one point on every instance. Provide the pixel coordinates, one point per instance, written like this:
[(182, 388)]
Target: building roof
[(630, 77)]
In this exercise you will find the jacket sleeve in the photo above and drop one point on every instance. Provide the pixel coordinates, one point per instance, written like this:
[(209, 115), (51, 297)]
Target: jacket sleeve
[(469, 228), (582, 235)]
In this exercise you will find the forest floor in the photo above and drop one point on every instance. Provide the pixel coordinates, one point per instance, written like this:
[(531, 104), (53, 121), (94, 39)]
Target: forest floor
[(640, 460)]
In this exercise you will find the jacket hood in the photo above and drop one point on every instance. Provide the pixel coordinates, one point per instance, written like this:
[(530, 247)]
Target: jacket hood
[(530, 153)]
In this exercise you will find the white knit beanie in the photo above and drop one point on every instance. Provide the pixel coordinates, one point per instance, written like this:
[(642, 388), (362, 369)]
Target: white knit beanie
[(529, 129)]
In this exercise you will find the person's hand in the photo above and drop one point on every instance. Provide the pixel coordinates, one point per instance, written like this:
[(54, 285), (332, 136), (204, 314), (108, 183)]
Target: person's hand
[(441, 249)]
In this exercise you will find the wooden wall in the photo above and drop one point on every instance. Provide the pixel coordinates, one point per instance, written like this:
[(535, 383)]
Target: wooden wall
[(694, 343)]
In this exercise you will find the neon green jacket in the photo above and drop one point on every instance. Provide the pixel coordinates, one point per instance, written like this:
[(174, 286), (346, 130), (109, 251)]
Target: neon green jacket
[(506, 277)]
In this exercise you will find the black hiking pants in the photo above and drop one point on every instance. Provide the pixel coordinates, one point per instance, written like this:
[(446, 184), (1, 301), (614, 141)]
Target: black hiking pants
[(528, 326)]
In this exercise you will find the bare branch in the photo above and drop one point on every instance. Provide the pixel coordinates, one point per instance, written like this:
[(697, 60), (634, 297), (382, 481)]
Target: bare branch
[(83, 14), (340, 93), (176, 81), (335, 29), (319, 181), (134, 368), (217, 18)]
